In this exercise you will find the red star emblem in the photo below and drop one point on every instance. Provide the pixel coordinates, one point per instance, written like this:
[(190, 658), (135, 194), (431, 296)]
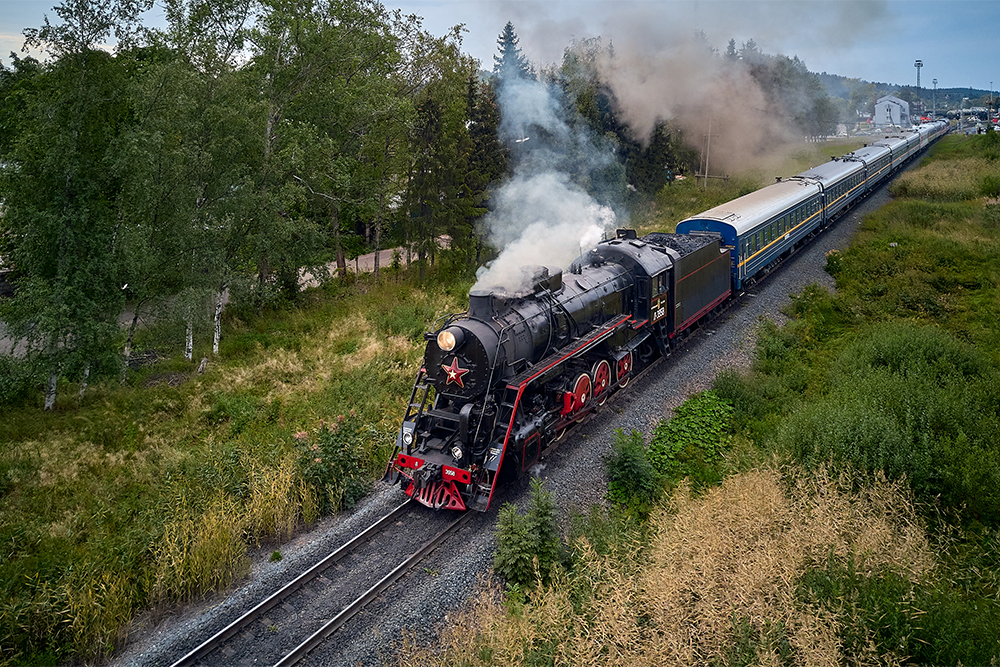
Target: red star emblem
[(454, 373)]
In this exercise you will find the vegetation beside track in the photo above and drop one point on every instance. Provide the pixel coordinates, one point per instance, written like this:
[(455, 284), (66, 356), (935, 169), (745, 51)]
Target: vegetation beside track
[(150, 494), (849, 514)]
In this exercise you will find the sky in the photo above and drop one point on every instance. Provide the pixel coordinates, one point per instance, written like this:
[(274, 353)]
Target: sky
[(958, 41)]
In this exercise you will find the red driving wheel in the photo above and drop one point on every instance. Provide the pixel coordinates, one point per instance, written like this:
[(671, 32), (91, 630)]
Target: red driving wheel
[(624, 369), (581, 392), (602, 381)]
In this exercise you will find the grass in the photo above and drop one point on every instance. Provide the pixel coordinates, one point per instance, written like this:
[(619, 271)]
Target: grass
[(150, 493), (719, 579)]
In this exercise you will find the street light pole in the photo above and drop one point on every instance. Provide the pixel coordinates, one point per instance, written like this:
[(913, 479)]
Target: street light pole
[(918, 65)]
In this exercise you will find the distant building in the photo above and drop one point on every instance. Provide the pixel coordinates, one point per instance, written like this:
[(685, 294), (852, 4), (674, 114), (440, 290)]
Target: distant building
[(890, 110)]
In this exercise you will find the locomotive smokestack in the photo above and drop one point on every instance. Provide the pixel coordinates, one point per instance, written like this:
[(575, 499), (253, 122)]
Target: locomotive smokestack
[(481, 304)]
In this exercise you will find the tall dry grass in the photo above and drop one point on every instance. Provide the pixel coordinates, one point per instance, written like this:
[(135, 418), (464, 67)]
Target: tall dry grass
[(720, 567), (200, 552), (278, 499), (943, 181)]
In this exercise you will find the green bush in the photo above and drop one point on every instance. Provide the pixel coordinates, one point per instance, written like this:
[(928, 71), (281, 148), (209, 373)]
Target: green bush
[(528, 545), (16, 379), (913, 351), (691, 443), (331, 460), (740, 391), (929, 623), (991, 185), (913, 402), (632, 480)]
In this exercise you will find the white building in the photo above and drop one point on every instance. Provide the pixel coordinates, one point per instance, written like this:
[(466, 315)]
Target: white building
[(890, 110)]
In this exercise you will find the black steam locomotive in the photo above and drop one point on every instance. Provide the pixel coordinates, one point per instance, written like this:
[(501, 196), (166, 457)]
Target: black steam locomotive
[(501, 383)]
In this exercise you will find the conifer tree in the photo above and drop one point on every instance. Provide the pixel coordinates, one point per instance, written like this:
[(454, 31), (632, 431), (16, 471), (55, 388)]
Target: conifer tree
[(510, 63)]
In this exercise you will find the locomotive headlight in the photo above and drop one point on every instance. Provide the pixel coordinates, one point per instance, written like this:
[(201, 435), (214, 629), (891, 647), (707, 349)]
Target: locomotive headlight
[(407, 437), (450, 338), (456, 451)]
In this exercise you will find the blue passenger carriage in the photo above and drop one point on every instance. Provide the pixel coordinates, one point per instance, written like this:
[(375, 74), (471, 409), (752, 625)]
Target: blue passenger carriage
[(842, 182), (876, 161), (762, 226)]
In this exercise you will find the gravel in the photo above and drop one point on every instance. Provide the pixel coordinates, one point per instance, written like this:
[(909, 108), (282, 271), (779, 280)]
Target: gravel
[(574, 474)]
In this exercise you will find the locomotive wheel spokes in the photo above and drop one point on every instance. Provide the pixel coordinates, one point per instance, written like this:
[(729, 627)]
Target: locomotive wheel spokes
[(602, 381), (582, 392), (624, 369)]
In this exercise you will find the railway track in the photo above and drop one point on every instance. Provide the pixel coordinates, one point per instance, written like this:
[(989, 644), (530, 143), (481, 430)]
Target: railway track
[(284, 627)]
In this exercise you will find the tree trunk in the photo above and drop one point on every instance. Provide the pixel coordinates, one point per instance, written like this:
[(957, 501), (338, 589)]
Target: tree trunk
[(263, 270), (378, 243), (128, 343), (189, 340), (83, 383), (341, 261), (50, 389), (378, 225), (218, 319)]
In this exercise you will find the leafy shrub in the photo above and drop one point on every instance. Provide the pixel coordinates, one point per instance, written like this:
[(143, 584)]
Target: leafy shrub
[(925, 623), (331, 461), (742, 393), (528, 545), (913, 351), (991, 185), (913, 402), (691, 444), (632, 479), (16, 378)]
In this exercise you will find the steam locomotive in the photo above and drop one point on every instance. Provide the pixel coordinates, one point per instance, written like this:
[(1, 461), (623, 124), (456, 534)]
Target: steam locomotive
[(502, 382)]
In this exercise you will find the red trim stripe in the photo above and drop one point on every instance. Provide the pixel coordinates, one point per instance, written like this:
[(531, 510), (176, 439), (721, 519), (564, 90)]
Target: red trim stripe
[(596, 338)]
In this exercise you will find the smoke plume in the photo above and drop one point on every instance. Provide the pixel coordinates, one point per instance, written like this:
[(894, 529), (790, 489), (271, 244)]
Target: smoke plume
[(663, 69), (544, 214)]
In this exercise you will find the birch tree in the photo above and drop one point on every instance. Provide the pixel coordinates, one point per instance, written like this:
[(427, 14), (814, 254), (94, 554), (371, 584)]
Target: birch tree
[(61, 194)]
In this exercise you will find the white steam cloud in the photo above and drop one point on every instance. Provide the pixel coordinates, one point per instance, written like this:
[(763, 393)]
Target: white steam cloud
[(542, 216)]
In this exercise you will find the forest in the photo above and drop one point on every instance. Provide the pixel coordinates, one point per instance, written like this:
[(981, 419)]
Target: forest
[(213, 161)]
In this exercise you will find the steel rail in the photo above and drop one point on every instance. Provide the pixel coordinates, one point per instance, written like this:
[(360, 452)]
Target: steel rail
[(331, 626), (230, 630)]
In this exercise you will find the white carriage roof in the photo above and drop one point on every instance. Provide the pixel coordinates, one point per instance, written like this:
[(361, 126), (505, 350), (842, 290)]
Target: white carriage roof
[(747, 212)]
